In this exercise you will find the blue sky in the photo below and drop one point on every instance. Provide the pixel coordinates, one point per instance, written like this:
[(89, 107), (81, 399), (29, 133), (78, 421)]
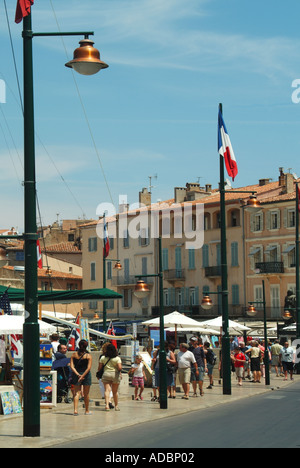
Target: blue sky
[(154, 111)]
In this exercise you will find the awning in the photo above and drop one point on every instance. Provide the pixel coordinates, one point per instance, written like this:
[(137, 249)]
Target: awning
[(61, 297)]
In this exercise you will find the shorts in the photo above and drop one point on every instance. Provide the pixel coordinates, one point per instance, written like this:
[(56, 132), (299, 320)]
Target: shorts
[(200, 376), (288, 366), (239, 372), (210, 368), (255, 364), (87, 381), (184, 375), (138, 381), (112, 377), (275, 361)]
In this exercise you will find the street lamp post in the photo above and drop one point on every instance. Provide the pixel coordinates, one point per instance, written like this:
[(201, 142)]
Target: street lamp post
[(87, 63), (253, 312), (141, 292)]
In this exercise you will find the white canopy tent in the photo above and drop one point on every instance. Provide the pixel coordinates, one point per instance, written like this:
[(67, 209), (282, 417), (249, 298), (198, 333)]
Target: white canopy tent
[(13, 325), (175, 319), (235, 328)]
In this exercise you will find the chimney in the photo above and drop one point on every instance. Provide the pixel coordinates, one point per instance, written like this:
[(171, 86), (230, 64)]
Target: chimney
[(145, 197), (179, 194), (263, 182), (289, 183), (281, 177)]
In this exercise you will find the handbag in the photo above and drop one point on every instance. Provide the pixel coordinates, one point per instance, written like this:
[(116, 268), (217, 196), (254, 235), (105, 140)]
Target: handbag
[(100, 373)]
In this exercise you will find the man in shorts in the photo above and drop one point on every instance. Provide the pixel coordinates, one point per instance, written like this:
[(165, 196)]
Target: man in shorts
[(184, 360), (275, 352), (286, 359), (200, 357)]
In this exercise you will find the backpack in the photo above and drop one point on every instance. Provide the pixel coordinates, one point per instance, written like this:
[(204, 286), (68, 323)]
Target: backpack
[(211, 357)]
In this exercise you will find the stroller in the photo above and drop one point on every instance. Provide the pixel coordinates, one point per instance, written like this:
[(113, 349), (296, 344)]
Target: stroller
[(63, 380)]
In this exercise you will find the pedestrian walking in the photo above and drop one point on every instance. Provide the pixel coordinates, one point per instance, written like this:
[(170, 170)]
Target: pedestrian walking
[(170, 361), (211, 360), (138, 377), (184, 360), (256, 358), (172, 369), (198, 377), (101, 386), (81, 364), (239, 359), (286, 359), (112, 365), (275, 353)]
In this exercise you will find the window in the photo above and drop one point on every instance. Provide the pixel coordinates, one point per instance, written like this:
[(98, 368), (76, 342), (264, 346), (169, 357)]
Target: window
[(257, 222), (166, 298), (192, 297), (290, 256), (126, 240), (235, 294), (258, 219), (93, 305), (275, 301), (272, 253), (179, 297), (192, 264), (126, 271), (93, 271), (274, 220), (291, 218), (144, 238), (93, 244), (127, 298), (165, 258), (71, 237), (205, 256), (258, 297), (234, 254)]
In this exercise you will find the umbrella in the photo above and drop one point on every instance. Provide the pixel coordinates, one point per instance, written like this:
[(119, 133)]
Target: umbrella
[(201, 330), (217, 323), (175, 319), (13, 325)]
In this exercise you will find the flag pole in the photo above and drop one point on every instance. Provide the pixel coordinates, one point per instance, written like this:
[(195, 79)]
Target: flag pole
[(225, 314)]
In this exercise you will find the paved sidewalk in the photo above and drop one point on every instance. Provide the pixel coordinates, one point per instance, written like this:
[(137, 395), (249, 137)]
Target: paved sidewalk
[(59, 425)]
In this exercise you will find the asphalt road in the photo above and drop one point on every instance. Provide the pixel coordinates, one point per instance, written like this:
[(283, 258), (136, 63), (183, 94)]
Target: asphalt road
[(271, 420)]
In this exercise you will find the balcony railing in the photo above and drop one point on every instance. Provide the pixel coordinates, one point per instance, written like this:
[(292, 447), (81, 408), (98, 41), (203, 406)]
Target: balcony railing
[(129, 280), (213, 272), (269, 267), (174, 275)]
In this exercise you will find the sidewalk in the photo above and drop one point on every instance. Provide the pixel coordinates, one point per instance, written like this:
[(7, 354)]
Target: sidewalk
[(59, 425)]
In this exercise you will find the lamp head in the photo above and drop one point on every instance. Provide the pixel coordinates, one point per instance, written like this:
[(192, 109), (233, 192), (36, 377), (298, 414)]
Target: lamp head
[(86, 59), (251, 311), (253, 204), (206, 303), (141, 290)]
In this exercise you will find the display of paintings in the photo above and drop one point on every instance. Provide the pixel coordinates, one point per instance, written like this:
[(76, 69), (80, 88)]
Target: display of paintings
[(46, 355), (46, 384), (11, 403)]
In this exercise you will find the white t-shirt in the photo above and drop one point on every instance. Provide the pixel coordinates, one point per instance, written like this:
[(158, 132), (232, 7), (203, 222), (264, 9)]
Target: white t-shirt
[(139, 370), (287, 354), (185, 359)]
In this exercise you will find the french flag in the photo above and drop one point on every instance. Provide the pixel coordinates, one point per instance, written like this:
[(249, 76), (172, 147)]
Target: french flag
[(225, 148), (106, 245)]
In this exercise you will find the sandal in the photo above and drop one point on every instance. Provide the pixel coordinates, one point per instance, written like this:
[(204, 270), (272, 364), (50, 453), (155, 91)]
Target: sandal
[(154, 398)]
